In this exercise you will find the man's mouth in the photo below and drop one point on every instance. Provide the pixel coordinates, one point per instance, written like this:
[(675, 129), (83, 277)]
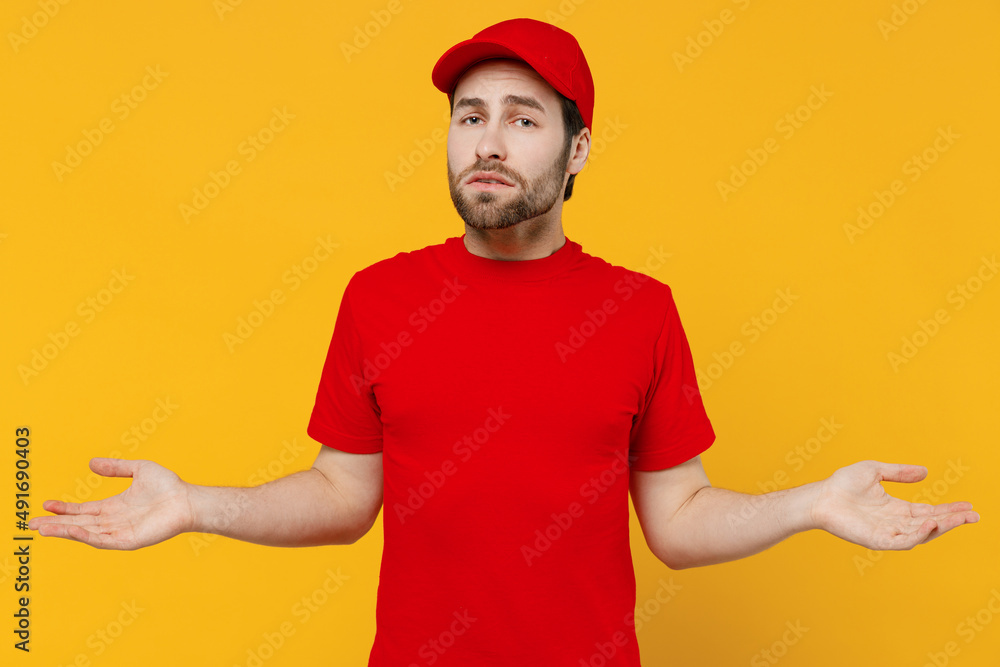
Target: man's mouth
[(488, 181)]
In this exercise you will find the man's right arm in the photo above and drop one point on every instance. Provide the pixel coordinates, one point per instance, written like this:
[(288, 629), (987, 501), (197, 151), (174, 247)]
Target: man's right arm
[(334, 502)]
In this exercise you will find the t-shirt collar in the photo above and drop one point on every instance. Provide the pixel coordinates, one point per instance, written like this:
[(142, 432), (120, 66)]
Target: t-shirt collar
[(469, 264)]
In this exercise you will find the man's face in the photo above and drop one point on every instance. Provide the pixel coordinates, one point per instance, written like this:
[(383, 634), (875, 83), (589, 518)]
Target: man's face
[(506, 122)]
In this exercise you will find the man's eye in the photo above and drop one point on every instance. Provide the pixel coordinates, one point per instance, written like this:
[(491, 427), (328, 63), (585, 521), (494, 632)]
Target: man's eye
[(471, 118), (530, 122)]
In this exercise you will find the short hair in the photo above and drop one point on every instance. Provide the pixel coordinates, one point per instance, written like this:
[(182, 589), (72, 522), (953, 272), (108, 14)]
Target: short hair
[(572, 124)]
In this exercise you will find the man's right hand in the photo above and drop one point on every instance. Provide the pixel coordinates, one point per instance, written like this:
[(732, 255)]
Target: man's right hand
[(154, 508), (336, 501)]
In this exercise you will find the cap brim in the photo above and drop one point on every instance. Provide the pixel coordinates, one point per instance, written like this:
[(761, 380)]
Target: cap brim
[(462, 56)]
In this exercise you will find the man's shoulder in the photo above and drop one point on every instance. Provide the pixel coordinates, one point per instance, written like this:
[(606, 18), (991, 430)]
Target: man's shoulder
[(404, 264), (628, 280)]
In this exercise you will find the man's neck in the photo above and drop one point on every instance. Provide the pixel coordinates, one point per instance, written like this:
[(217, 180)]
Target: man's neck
[(520, 242)]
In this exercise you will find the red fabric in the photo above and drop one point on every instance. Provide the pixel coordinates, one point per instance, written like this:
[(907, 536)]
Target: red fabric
[(508, 398), (549, 50)]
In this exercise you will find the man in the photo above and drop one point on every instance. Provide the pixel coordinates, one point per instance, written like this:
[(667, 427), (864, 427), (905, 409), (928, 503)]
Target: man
[(501, 394)]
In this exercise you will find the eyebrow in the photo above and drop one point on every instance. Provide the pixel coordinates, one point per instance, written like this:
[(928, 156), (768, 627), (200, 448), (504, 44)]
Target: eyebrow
[(507, 100)]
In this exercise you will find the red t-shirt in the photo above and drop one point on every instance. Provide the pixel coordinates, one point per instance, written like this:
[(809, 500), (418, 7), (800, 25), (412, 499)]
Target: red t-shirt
[(508, 399)]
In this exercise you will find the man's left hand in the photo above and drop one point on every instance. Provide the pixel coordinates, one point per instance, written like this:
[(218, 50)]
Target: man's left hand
[(852, 505)]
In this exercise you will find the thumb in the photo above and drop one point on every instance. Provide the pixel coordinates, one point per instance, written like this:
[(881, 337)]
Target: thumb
[(901, 472), (109, 467)]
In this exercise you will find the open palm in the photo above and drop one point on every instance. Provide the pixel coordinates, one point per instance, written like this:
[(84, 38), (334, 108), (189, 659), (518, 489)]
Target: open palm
[(152, 509), (853, 505)]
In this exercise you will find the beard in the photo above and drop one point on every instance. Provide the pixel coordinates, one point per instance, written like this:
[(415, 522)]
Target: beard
[(485, 210)]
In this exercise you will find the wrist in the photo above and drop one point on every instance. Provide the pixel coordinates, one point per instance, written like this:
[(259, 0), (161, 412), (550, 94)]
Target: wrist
[(217, 510), (195, 503), (812, 515), (801, 507)]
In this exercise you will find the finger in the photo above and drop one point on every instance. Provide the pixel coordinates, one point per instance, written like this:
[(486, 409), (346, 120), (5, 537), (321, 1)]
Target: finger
[(70, 532), (36, 521), (901, 472), (940, 525), (109, 467), (60, 507), (70, 519), (943, 508), (929, 529)]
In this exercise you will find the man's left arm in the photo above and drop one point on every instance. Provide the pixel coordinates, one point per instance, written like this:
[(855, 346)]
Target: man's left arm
[(688, 523)]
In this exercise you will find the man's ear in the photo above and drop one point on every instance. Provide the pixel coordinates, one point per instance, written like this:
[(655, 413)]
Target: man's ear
[(579, 152)]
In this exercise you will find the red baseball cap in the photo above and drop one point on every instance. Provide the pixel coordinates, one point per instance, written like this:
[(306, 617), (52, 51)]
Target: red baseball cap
[(552, 52)]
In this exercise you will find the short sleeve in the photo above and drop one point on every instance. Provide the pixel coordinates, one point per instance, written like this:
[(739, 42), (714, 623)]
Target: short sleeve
[(346, 415), (671, 426)]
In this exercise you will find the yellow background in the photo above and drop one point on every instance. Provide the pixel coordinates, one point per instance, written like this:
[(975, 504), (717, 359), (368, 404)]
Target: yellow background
[(668, 135)]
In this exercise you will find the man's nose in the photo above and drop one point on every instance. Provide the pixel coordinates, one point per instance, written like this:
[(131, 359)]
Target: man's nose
[(491, 144)]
